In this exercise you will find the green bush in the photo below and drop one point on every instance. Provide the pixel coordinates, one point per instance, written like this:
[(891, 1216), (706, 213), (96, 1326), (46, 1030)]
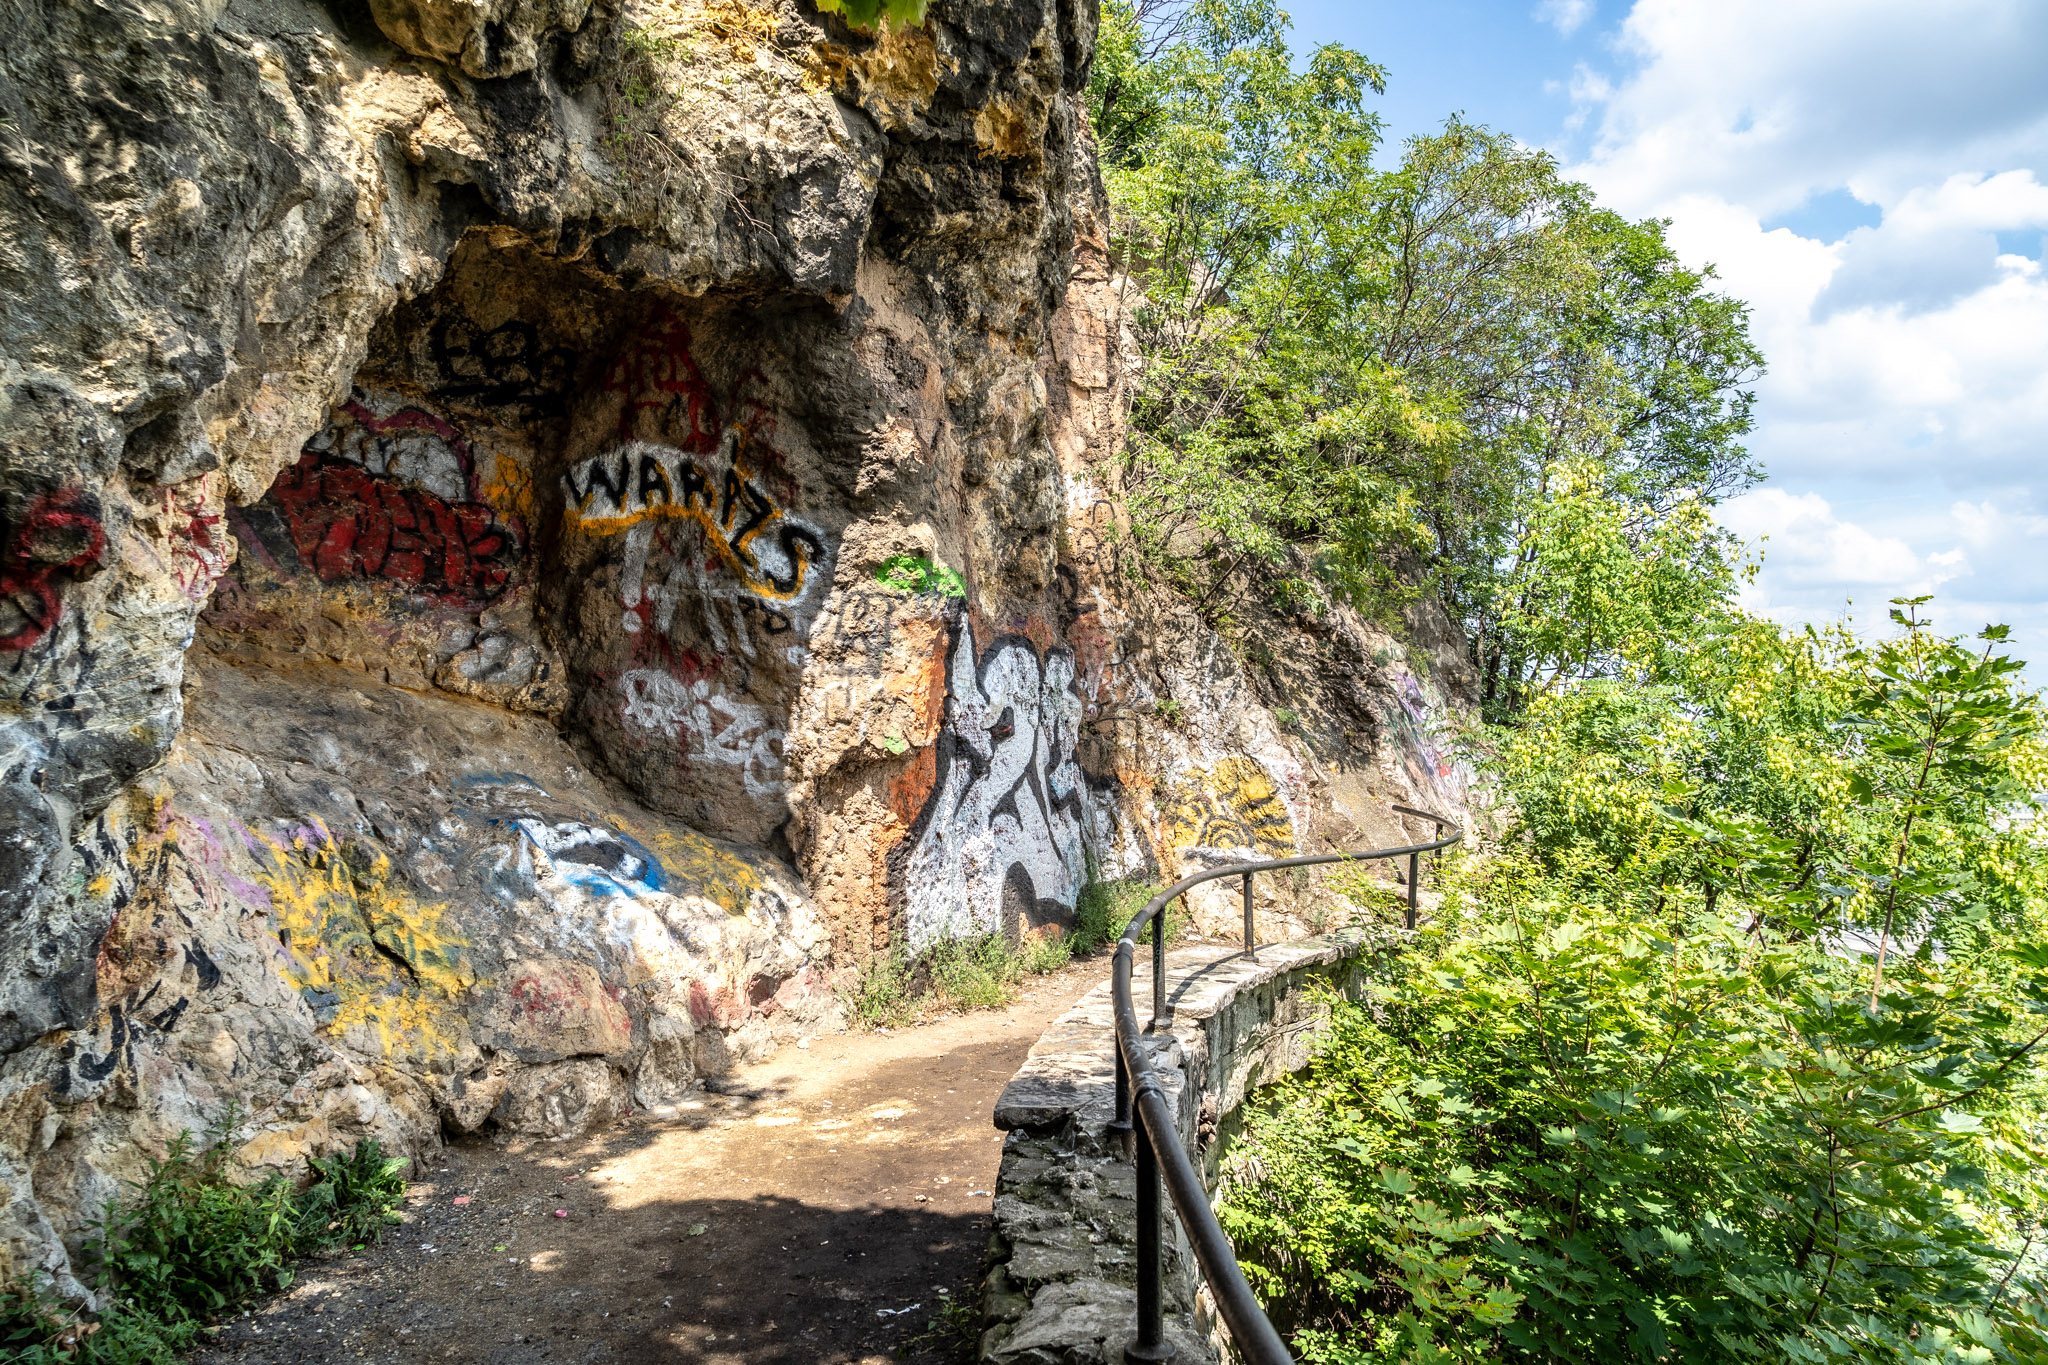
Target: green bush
[(1731, 1053), (192, 1244), (1570, 1137), (37, 1328), (881, 993), (1106, 907), (976, 973)]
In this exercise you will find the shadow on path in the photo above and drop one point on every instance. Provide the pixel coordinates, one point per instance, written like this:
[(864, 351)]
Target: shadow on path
[(827, 1207)]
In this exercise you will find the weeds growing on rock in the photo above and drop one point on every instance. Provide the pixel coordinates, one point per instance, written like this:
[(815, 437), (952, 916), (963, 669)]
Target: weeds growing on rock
[(638, 93), (954, 974), (1106, 907), (192, 1244), (641, 89), (872, 14), (953, 1332)]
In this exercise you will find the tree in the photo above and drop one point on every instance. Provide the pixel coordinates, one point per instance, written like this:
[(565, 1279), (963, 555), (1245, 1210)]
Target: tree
[(1358, 382)]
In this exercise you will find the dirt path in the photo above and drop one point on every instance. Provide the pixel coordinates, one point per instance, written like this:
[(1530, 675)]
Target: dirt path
[(825, 1207)]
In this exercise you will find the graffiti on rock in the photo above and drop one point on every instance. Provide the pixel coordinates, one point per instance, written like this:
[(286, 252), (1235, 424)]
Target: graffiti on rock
[(199, 545), (504, 366), (1100, 634), (999, 843), (635, 486), (694, 865), (408, 444), (720, 730), (502, 660), (58, 533), (347, 523), (1429, 768), (664, 389), (1234, 804), (603, 862), (377, 967), (565, 1009)]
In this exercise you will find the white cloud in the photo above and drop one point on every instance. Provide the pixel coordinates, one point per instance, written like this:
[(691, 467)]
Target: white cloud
[(1937, 244), (1983, 562), (1908, 359), (1565, 16), (1764, 102), (1808, 550)]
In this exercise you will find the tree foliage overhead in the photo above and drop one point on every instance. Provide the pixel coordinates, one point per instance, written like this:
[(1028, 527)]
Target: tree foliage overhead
[(1364, 382)]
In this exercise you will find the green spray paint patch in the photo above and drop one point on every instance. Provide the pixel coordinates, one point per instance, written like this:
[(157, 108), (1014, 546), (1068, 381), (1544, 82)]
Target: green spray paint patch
[(914, 573), (866, 14)]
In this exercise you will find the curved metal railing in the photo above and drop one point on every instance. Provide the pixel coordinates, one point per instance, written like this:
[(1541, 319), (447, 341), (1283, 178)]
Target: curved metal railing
[(1141, 1103)]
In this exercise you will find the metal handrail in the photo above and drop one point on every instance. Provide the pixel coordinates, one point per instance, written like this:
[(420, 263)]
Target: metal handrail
[(1140, 1097)]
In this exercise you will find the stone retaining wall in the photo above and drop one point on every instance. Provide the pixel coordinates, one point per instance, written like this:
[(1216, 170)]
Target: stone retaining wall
[(1062, 1287)]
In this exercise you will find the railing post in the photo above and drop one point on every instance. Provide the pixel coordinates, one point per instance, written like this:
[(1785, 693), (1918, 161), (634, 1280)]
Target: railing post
[(1166, 1169), (1161, 1016), (1414, 875), (1151, 1346), (1251, 945)]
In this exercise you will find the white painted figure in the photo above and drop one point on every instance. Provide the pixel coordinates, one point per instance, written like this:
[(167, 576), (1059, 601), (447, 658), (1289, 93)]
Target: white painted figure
[(1002, 834)]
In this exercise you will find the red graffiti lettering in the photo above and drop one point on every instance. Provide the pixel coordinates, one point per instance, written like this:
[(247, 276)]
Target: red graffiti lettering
[(414, 419), (347, 523), (660, 377), (60, 532), (200, 554)]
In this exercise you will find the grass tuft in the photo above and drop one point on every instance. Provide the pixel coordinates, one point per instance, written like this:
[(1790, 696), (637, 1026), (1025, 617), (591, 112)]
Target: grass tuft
[(984, 972)]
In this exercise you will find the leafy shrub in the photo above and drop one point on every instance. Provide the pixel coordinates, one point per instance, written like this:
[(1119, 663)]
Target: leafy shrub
[(1735, 1055), (192, 1244), (352, 1199), (976, 973), (1575, 1138), (38, 1328), (1103, 910), (881, 993), (973, 973)]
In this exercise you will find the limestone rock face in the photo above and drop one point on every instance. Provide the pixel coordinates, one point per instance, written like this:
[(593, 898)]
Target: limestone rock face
[(537, 534)]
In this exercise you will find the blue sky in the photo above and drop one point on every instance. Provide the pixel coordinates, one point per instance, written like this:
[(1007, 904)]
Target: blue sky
[(1872, 178)]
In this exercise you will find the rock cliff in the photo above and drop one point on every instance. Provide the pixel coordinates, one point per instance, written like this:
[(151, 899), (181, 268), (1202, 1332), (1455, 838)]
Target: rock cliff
[(536, 533)]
